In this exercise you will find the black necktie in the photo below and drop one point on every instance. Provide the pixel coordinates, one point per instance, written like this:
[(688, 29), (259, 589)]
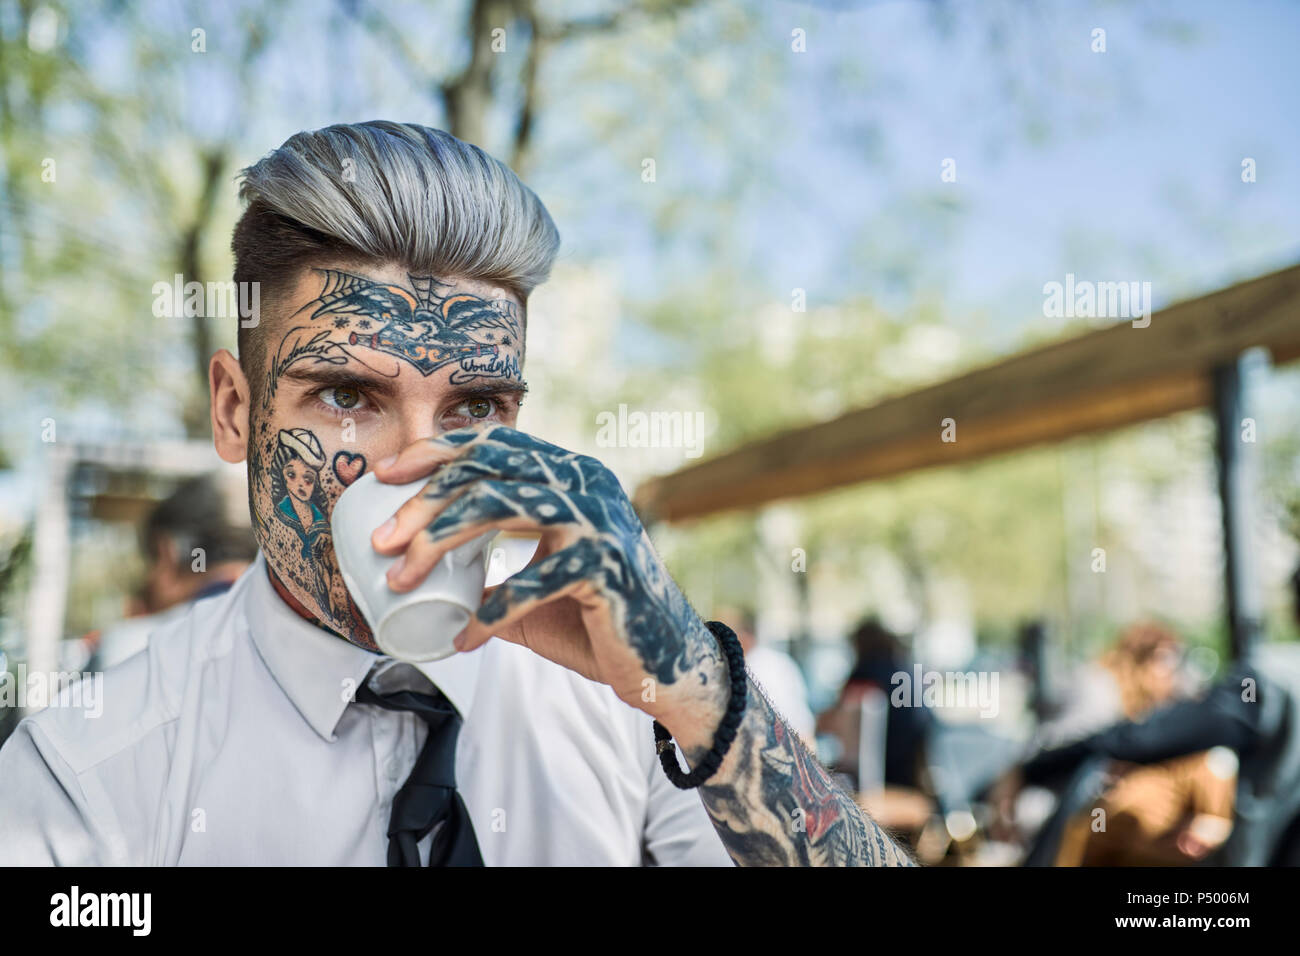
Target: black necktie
[(429, 799)]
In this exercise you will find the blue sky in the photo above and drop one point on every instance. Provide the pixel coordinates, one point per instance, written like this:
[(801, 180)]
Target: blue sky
[(1139, 175)]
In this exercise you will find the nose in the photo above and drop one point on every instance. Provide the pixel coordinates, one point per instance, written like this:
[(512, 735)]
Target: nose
[(419, 422)]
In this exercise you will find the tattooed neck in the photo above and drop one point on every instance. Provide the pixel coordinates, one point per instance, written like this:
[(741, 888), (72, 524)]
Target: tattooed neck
[(300, 609)]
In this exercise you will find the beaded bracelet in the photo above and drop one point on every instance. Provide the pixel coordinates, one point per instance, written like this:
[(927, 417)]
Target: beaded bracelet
[(709, 764)]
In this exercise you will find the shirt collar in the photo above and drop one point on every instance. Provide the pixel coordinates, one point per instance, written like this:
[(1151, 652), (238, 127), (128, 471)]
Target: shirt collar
[(318, 671)]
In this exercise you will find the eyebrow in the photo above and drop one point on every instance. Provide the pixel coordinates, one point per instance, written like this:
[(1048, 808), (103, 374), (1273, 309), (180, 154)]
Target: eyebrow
[(489, 387), (476, 387), (340, 378)]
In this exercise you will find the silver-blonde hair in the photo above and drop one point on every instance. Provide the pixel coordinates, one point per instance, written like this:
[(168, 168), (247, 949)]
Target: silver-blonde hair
[(411, 194)]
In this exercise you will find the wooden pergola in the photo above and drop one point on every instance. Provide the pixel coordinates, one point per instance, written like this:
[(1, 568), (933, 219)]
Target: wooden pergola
[(1187, 357)]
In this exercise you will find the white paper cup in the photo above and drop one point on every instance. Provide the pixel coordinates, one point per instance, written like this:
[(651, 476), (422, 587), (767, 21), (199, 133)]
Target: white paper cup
[(417, 625)]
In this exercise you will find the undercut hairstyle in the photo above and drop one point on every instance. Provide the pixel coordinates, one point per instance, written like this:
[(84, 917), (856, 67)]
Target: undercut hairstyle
[(380, 192)]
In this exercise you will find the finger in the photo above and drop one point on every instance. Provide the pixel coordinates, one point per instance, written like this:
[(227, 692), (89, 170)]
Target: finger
[(485, 505), (479, 459), (549, 617), (490, 442), (521, 456), (491, 458), (421, 458), (558, 575), (395, 535)]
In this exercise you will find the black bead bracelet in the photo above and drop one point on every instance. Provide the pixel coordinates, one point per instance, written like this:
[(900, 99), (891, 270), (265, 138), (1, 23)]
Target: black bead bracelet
[(726, 733)]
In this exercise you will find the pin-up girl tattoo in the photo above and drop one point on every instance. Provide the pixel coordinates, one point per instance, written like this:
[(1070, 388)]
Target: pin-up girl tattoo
[(300, 501)]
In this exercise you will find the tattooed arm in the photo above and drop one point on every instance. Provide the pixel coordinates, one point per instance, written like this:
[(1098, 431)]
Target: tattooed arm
[(770, 800), (597, 600)]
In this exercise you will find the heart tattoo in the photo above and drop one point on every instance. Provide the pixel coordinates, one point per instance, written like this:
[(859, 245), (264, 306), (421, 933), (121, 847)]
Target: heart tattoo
[(349, 467)]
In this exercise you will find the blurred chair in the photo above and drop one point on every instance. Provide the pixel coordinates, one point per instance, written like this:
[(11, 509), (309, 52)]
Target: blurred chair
[(1085, 786), (873, 730), (904, 810)]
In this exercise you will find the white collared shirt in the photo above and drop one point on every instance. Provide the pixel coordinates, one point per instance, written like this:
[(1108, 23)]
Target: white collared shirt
[(233, 739)]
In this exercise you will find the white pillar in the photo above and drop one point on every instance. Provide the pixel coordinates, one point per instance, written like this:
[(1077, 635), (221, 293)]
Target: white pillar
[(47, 598)]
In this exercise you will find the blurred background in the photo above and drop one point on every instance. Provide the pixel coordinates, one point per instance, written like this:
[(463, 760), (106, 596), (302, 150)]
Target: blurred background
[(807, 236)]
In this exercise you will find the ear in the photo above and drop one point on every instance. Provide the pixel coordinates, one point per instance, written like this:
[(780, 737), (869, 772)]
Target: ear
[(166, 553), (228, 390)]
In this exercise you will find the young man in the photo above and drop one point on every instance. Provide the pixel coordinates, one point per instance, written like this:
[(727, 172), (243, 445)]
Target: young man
[(394, 264)]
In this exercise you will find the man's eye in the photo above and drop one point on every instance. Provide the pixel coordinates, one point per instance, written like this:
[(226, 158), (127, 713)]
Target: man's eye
[(478, 407), (340, 396)]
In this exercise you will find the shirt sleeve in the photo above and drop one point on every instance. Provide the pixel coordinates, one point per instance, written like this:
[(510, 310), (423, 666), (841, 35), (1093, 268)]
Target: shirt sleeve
[(678, 830), (45, 819)]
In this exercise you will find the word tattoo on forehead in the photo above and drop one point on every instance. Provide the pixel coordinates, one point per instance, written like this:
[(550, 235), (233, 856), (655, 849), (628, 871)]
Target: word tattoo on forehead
[(427, 325)]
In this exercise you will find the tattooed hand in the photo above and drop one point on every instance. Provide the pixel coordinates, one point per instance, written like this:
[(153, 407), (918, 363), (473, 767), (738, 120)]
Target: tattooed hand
[(595, 598)]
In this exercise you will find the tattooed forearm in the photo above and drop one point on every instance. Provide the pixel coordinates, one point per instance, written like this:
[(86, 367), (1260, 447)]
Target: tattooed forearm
[(773, 804)]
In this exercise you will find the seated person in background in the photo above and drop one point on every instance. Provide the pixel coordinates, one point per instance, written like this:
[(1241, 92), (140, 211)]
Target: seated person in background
[(192, 522), (879, 655), (1139, 673), (1175, 807), (1168, 813)]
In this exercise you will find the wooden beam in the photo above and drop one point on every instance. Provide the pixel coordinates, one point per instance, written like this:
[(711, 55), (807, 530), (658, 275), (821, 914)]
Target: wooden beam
[(1101, 380)]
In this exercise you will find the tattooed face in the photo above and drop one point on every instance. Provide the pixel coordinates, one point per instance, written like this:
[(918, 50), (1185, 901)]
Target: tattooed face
[(360, 364), (300, 480)]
